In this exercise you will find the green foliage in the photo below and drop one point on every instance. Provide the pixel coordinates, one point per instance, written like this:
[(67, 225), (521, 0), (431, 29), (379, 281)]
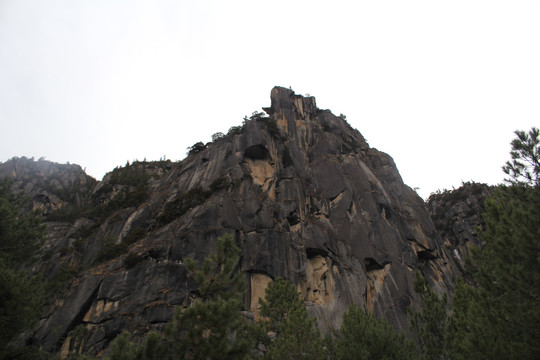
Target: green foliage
[(524, 168), (499, 316), (124, 199), (112, 249), (130, 175), (178, 207), (430, 325), (129, 182), (23, 352), (216, 277), (273, 129), (268, 122), (235, 130), (196, 148), (21, 299), (86, 230), (447, 213), (135, 235), (123, 348), (61, 280), (79, 357), (280, 297), (211, 330), (162, 163), (153, 347), (212, 327), (133, 180), (21, 231), (194, 197), (363, 336), (70, 213), (256, 116), (78, 337), (21, 295), (217, 136), (285, 317)]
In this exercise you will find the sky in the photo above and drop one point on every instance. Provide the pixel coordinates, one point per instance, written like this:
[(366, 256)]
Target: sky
[(439, 85)]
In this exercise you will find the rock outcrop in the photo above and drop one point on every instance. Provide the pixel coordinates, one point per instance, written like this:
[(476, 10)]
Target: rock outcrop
[(456, 215), (48, 185), (303, 194)]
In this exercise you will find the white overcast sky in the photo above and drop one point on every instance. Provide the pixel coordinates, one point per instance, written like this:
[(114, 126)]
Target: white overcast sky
[(438, 85)]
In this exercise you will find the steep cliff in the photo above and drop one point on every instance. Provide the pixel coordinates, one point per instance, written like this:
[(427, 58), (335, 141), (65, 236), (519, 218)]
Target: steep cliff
[(457, 215), (48, 185), (303, 194)]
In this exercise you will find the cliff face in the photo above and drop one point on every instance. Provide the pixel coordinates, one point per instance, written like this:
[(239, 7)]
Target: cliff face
[(457, 215), (48, 185), (302, 192)]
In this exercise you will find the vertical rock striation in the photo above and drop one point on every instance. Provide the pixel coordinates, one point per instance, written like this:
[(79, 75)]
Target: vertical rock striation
[(304, 195)]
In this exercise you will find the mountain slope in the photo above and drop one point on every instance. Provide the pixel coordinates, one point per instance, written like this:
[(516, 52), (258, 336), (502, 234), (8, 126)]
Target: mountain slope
[(304, 195)]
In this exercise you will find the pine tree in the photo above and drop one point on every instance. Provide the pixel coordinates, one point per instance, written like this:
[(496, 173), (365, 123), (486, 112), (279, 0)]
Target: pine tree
[(285, 319), (498, 316), (21, 231), (125, 348), (21, 295), (524, 168), (217, 278), (213, 327), (430, 325), (21, 299), (364, 337)]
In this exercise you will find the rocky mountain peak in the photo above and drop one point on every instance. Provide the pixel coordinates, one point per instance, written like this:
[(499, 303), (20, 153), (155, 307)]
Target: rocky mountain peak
[(303, 194), (289, 109), (48, 185)]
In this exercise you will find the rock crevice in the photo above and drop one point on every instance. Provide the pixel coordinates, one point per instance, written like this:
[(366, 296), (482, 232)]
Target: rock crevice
[(307, 200)]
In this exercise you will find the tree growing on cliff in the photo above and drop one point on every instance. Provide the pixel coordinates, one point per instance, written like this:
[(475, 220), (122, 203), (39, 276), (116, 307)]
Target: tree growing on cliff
[(430, 325), (363, 337), (212, 327), (21, 295), (21, 231), (291, 332), (524, 168), (498, 316)]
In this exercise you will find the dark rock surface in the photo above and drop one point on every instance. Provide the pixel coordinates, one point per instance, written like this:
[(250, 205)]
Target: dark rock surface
[(456, 215), (48, 185), (303, 194)]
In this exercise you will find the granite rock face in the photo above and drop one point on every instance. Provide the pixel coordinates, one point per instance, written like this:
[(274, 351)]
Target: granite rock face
[(302, 192), (456, 215), (48, 185)]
